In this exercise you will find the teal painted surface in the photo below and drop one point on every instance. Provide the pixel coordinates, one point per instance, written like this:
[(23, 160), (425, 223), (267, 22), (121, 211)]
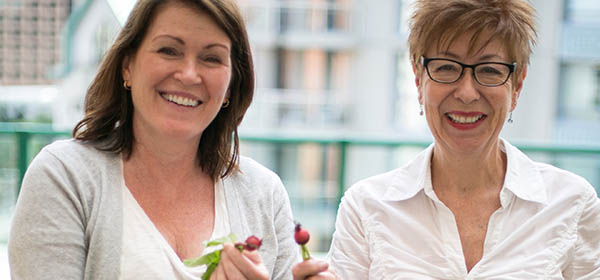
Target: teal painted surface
[(23, 134)]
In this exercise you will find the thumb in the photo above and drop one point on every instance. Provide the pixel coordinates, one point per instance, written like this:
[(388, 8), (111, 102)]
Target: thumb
[(309, 268)]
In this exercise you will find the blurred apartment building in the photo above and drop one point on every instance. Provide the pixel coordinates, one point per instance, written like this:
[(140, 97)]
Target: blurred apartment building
[(338, 69), (578, 110), (30, 48), (577, 115), (30, 33)]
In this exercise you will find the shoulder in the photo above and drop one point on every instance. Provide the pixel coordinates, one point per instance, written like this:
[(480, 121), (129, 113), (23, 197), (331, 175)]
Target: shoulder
[(71, 164), (564, 183), (396, 185), (253, 173), (375, 186), (559, 184), (70, 150), (379, 191), (542, 182), (252, 170), (254, 178)]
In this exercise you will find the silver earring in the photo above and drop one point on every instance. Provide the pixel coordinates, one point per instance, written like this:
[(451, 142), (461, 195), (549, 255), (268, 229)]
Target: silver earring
[(421, 112), (510, 120)]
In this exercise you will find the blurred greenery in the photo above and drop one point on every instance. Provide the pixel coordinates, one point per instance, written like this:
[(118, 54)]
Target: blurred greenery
[(18, 113)]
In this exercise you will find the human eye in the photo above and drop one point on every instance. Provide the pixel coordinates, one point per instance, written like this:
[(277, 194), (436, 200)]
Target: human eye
[(168, 51), (446, 66), (214, 60), (492, 69)]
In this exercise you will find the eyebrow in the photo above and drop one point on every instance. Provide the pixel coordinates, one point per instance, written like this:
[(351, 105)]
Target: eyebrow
[(483, 57), (180, 41)]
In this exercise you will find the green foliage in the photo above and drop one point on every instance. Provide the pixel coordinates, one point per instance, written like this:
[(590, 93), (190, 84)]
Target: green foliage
[(211, 260)]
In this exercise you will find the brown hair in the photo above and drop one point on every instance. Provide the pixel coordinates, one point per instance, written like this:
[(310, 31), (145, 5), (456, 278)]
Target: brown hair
[(108, 107), (438, 23)]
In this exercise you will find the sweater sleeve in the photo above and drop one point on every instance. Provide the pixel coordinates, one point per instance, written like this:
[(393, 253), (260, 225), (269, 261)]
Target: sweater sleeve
[(288, 252), (47, 235)]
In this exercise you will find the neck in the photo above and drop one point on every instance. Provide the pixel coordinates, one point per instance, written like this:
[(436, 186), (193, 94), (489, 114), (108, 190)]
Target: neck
[(454, 172), (164, 164)]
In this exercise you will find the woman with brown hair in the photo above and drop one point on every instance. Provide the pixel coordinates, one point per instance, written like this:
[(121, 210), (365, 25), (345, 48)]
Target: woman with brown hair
[(154, 167), (471, 206)]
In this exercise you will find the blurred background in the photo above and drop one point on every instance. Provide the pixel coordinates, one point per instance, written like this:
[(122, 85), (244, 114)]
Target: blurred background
[(335, 97)]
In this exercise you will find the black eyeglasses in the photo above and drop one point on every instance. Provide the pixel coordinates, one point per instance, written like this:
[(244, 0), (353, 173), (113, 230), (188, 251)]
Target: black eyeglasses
[(447, 71)]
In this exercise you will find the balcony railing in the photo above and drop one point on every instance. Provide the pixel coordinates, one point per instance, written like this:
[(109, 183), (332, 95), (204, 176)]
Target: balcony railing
[(316, 169)]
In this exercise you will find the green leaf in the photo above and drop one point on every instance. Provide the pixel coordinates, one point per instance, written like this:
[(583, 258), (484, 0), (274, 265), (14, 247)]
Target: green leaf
[(209, 270), (209, 258), (219, 241)]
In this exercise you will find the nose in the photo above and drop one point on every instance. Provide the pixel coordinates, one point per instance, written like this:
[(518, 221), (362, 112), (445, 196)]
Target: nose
[(466, 90), (189, 73)]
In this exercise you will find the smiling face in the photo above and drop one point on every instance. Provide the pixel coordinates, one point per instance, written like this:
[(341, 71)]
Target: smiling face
[(179, 75), (465, 116)]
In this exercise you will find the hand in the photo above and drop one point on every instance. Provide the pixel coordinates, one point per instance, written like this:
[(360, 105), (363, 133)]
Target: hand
[(239, 265), (312, 269)]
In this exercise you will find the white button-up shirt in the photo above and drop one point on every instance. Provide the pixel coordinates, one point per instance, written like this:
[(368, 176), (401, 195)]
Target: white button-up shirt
[(393, 226)]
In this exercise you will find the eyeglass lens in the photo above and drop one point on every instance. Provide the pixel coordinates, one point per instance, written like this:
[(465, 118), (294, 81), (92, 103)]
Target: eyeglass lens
[(447, 71)]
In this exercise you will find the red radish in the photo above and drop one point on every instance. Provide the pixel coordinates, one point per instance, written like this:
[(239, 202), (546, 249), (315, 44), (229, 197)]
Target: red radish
[(252, 243), (302, 236)]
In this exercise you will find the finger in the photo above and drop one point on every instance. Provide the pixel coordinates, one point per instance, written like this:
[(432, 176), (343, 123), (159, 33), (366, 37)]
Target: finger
[(253, 256), (310, 267), (245, 266), (230, 271), (218, 273), (327, 275)]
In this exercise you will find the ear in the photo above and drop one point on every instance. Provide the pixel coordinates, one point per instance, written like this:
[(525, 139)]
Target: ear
[(126, 68), (517, 89), (418, 82)]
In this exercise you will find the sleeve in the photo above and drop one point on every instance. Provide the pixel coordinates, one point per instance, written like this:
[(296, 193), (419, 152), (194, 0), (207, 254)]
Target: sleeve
[(288, 253), (47, 239), (349, 252), (585, 262)]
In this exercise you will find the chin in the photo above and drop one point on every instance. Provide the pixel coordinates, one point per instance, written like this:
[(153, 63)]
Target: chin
[(181, 132)]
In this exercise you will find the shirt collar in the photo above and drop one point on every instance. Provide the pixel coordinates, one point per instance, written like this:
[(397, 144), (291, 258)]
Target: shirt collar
[(522, 177), (407, 181)]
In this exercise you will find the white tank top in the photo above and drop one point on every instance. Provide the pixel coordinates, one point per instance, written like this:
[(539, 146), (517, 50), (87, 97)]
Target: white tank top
[(146, 254)]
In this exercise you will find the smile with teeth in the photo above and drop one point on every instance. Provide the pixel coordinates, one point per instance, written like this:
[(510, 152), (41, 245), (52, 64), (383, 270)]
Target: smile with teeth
[(464, 119), (179, 100)]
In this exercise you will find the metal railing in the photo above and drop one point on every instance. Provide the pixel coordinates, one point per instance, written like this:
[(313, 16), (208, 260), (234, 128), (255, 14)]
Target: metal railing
[(318, 196), (24, 132)]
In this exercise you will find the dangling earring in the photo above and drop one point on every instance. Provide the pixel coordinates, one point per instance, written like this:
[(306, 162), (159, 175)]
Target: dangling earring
[(225, 104), (421, 112), (510, 120), (126, 85)]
